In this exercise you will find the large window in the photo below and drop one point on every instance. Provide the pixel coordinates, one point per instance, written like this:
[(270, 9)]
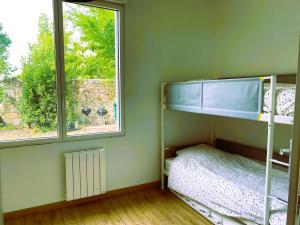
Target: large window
[(28, 94), (59, 71)]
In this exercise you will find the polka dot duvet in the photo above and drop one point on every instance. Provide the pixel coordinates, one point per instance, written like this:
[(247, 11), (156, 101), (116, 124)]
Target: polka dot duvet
[(228, 184), (285, 99)]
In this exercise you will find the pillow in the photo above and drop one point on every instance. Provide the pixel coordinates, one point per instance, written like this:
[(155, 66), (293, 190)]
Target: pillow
[(195, 147)]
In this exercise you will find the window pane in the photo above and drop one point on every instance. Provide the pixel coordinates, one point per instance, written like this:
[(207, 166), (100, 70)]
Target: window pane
[(27, 70), (90, 69)]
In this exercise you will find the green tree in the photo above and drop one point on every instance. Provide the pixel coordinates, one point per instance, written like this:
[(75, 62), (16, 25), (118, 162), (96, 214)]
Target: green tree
[(38, 103), (5, 43), (95, 51), (90, 56)]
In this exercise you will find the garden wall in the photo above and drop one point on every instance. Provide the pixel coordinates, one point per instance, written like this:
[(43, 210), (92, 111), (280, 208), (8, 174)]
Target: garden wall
[(92, 93), (12, 91)]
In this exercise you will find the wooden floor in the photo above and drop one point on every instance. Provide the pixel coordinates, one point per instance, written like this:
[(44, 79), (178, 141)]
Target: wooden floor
[(152, 206)]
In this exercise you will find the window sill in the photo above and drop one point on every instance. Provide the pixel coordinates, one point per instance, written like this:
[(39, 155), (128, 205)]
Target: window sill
[(46, 141)]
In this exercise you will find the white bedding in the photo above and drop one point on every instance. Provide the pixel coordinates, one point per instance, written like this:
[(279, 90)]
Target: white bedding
[(168, 163), (285, 99), (229, 184)]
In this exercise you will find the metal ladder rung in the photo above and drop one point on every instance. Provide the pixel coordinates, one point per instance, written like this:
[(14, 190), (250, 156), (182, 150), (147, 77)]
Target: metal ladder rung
[(279, 162), (277, 199)]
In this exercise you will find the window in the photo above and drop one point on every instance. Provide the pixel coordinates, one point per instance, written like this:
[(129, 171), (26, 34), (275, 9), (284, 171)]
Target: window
[(60, 76), (28, 106), (90, 68)]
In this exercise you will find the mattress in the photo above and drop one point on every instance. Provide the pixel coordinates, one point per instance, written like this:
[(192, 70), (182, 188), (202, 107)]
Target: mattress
[(229, 184), (285, 99)]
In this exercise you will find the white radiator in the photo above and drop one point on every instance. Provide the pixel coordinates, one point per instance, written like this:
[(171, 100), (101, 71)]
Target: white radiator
[(85, 174)]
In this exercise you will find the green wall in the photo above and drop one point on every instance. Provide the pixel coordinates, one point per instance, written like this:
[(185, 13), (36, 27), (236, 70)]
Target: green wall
[(164, 41), (252, 38)]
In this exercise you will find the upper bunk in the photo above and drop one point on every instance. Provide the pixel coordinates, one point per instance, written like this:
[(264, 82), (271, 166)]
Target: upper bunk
[(246, 98)]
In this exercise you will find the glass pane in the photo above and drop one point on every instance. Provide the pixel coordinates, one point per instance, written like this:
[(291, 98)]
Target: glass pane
[(91, 69), (27, 70)]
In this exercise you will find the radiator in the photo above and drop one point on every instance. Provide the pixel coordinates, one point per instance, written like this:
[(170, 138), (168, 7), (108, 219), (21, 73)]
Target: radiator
[(85, 174)]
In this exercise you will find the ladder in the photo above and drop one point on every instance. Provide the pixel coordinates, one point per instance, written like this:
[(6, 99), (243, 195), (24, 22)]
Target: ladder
[(270, 149)]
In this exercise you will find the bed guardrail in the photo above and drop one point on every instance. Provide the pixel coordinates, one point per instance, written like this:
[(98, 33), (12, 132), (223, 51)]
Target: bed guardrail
[(239, 98)]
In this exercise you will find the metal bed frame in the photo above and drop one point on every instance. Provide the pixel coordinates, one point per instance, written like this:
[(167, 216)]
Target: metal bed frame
[(211, 97)]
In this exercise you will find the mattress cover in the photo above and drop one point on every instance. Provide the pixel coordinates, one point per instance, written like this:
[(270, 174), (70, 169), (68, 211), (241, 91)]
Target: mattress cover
[(228, 184), (285, 99)]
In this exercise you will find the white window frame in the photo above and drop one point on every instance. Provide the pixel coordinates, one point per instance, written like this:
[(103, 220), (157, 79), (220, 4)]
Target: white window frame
[(60, 81)]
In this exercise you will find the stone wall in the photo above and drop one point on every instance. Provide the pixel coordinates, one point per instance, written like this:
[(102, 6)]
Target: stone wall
[(92, 93), (12, 91), (95, 93)]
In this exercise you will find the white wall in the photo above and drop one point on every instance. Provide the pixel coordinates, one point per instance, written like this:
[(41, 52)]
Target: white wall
[(252, 38), (256, 37), (165, 41)]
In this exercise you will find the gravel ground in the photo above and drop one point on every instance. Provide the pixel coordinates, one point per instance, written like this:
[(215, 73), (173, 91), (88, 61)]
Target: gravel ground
[(26, 133)]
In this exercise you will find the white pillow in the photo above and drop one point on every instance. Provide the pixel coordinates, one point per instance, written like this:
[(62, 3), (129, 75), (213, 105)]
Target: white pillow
[(195, 147)]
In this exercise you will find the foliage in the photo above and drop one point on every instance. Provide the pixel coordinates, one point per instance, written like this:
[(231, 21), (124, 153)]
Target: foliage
[(93, 56), (38, 102), (1, 94), (90, 56), (5, 43), (9, 127)]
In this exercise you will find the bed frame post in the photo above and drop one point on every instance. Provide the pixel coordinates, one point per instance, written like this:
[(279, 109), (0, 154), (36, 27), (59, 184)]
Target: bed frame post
[(162, 126), (270, 150), (294, 157)]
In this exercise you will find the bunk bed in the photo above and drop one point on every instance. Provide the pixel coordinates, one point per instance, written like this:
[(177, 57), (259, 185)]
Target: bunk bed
[(268, 99), (247, 98)]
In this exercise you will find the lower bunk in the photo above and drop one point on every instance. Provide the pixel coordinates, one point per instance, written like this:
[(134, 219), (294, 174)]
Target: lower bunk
[(226, 188)]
